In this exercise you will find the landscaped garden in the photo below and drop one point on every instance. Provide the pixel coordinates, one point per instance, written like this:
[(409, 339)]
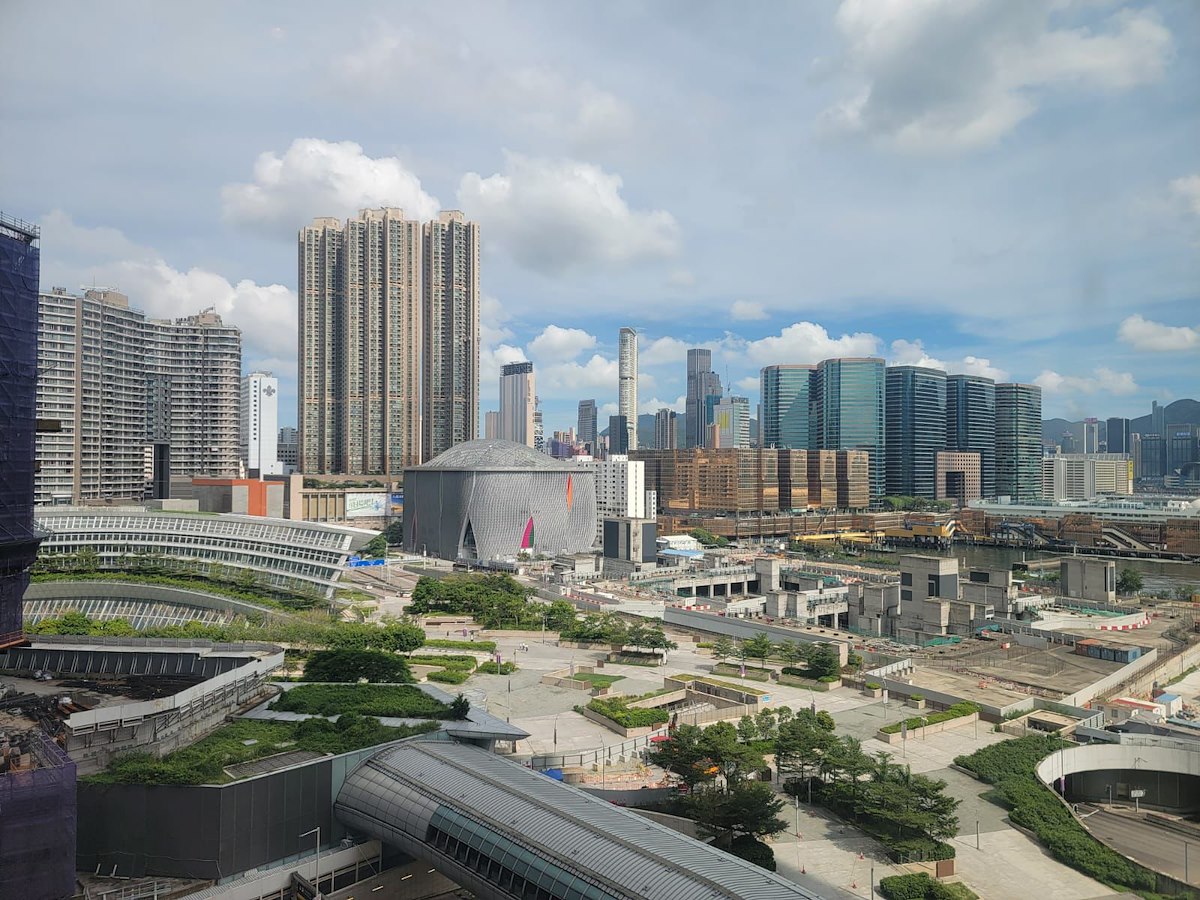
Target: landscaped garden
[(397, 701), (618, 710), (597, 679)]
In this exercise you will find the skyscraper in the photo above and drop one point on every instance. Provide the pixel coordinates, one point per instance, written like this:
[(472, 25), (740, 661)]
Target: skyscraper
[(289, 449), (1019, 442), (260, 424), (851, 416), (971, 424), (539, 435), (627, 377), (789, 414), (451, 385), (703, 392), (731, 421), (20, 267), (360, 343), (1118, 436), (1091, 435), (491, 424), (195, 364), (915, 417), (664, 429), (92, 359), (586, 430), (618, 435), (517, 403)]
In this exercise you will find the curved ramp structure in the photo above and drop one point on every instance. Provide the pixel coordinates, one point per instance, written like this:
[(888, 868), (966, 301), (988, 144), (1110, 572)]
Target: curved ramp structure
[(1168, 776), (504, 832)]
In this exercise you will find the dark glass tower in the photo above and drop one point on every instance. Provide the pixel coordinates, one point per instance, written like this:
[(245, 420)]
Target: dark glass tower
[(19, 271), (788, 407), (971, 424), (851, 393), (703, 393), (1118, 436), (1019, 442), (915, 413)]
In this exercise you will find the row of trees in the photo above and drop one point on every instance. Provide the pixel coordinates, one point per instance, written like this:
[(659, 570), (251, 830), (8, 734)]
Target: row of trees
[(492, 600), (821, 660), (609, 628)]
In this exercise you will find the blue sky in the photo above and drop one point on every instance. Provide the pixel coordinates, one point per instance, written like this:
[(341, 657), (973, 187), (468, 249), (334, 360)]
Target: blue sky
[(1003, 187)]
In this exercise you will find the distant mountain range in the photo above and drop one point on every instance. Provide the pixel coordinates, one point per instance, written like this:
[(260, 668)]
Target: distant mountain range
[(1181, 412)]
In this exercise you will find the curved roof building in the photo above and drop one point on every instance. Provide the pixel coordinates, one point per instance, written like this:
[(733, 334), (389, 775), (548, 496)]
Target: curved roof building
[(490, 500)]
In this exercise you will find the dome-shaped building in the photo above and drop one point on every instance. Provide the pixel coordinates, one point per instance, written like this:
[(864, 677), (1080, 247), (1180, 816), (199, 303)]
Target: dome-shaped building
[(490, 500)]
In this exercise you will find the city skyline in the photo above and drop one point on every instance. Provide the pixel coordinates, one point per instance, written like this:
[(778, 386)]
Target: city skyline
[(948, 220)]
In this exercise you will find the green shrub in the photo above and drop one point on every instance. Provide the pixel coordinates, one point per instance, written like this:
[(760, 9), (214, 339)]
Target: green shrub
[(873, 685), (449, 676), (490, 668), (353, 665), (447, 661), (957, 711), (915, 886), (916, 698), (394, 701), (751, 849), (829, 679), (617, 709), (704, 645), (443, 644)]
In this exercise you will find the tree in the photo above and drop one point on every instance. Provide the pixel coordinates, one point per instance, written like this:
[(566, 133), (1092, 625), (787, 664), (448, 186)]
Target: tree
[(560, 615), (685, 756), (823, 661), (401, 637), (723, 648), (789, 651), (707, 538), (745, 807), (247, 579), (758, 647), (459, 707), (733, 759), (1129, 581), (747, 729), (394, 533), (86, 559), (377, 547)]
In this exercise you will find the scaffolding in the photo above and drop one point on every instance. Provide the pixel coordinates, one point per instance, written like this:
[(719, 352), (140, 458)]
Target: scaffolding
[(37, 820)]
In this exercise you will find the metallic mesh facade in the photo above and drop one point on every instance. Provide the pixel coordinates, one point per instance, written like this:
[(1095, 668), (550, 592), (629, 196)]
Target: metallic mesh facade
[(20, 266), (37, 826)]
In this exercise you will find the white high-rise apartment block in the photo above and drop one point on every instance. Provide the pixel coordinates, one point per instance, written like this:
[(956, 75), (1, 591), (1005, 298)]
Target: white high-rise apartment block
[(260, 424), (518, 401), (627, 378), (1085, 476), (731, 416), (620, 489), (92, 381), (491, 424), (193, 375)]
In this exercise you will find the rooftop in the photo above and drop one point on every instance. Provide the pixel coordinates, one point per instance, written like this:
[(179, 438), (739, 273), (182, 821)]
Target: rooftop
[(496, 454)]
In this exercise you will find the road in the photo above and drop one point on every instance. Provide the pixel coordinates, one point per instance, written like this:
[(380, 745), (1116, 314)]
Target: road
[(1151, 845)]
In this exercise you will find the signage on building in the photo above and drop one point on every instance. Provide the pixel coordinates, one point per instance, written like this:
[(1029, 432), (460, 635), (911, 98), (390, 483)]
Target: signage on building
[(362, 506)]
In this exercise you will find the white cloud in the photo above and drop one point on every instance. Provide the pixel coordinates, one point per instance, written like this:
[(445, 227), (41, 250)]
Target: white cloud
[(1187, 189), (1102, 381), (266, 313), (801, 342), (571, 378), (606, 410), (746, 311), (555, 215), (949, 74), (492, 316), (490, 361), (750, 384), (979, 365), (663, 351), (557, 344), (1143, 334), (913, 353), (649, 407), (322, 178), (681, 278)]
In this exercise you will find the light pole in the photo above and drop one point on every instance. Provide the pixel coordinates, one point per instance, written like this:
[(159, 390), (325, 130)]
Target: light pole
[(317, 863)]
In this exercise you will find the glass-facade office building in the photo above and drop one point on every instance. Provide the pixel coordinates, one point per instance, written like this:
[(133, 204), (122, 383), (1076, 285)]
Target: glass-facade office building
[(971, 424), (915, 413), (1019, 442), (852, 411), (789, 415)]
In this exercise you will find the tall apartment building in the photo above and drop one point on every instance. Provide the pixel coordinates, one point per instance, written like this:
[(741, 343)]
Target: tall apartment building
[(703, 393), (491, 424), (539, 434), (20, 268), (971, 424), (731, 422), (664, 429), (618, 435), (789, 407), (620, 489), (852, 411), (586, 430), (517, 403), (93, 381), (195, 364), (915, 417), (958, 477), (1019, 442), (1085, 476), (1091, 435), (260, 425), (451, 347), (289, 449), (627, 377), (1118, 438), (362, 288)]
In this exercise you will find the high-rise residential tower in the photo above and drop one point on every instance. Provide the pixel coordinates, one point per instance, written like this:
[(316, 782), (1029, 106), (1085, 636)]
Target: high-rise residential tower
[(20, 267), (93, 382), (491, 424), (664, 429), (1118, 436), (517, 403), (586, 430), (971, 424), (731, 422), (703, 393), (851, 393), (289, 449), (451, 384), (260, 424), (195, 364), (915, 417), (789, 407), (361, 289), (627, 378), (1019, 442)]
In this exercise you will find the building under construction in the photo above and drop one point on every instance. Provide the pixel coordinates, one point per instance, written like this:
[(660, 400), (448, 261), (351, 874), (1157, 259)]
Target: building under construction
[(37, 818)]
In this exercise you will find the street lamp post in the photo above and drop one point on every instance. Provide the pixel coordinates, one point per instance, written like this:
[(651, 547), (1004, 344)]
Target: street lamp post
[(317, 863)]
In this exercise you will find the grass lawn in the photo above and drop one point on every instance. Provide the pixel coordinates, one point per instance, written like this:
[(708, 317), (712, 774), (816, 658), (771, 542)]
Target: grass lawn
[(399, 701), (595, 679)]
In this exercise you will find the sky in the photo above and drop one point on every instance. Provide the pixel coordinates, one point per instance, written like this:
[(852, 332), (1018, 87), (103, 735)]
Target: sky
[(1005, 187)]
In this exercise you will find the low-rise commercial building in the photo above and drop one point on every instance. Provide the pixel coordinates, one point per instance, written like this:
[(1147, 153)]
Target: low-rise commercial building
[(1085, 476)]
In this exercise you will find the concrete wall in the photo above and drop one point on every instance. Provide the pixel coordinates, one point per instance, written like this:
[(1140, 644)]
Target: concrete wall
[(748, 628), (150, 593)]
